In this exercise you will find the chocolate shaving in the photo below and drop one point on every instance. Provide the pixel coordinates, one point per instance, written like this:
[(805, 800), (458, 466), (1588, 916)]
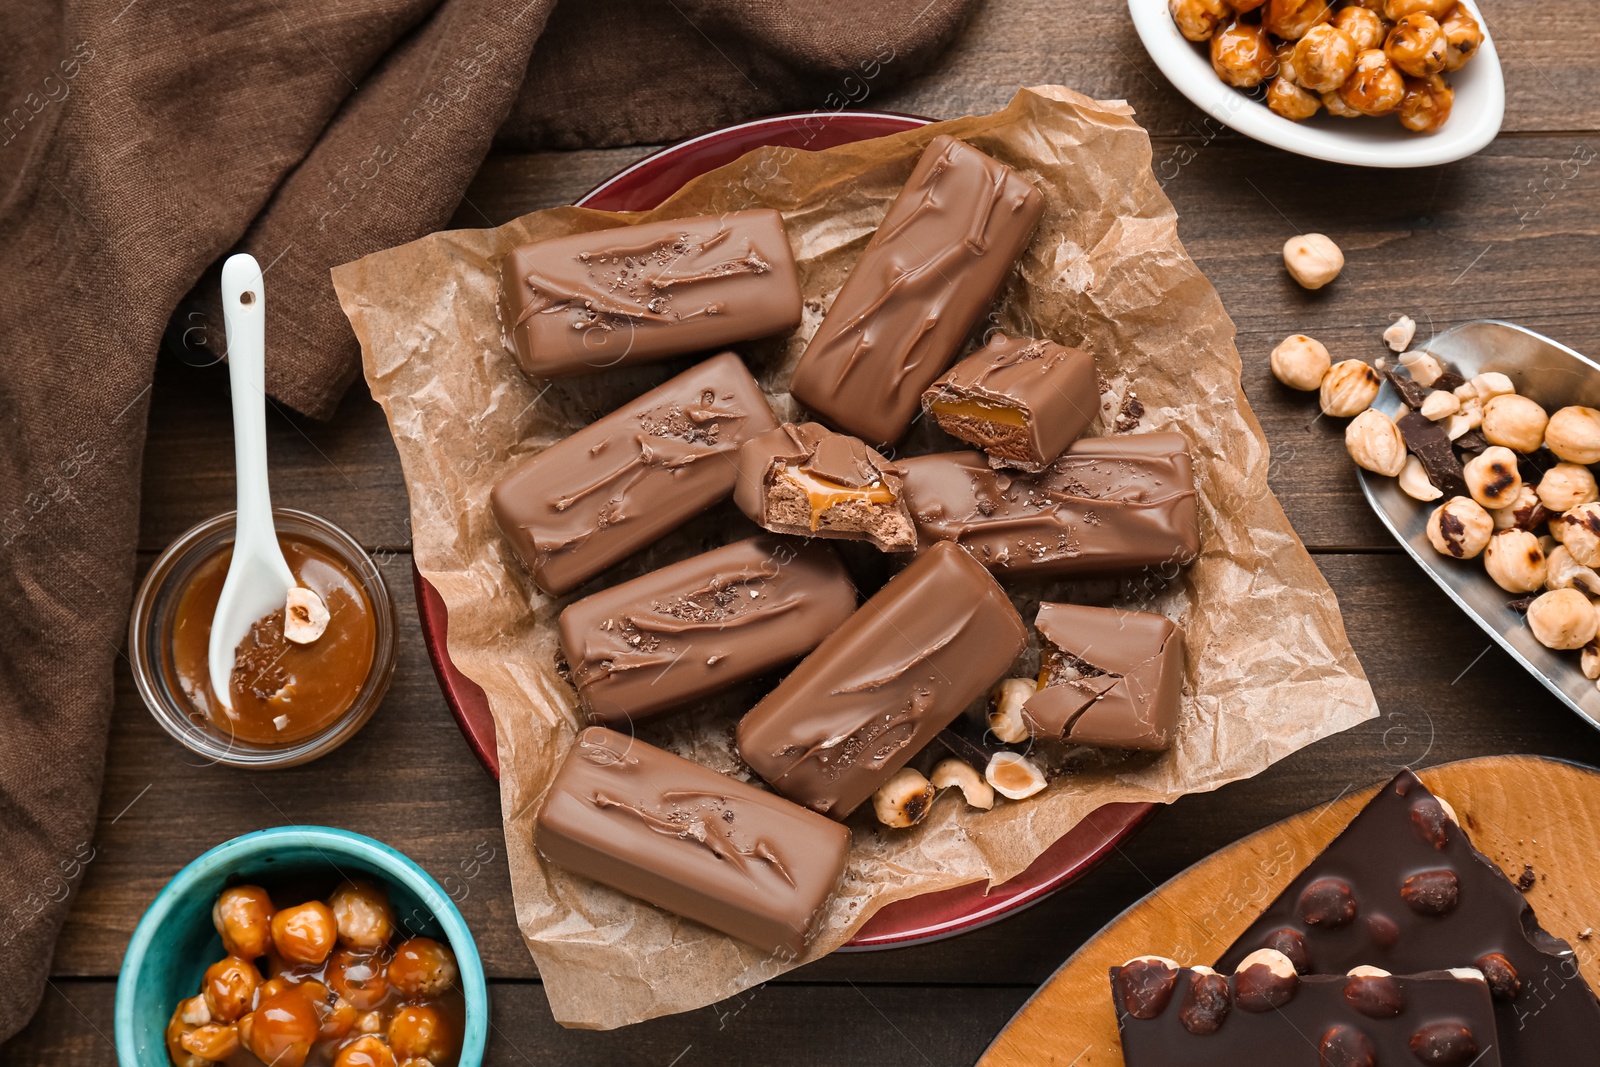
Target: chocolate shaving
[(1431, 445)]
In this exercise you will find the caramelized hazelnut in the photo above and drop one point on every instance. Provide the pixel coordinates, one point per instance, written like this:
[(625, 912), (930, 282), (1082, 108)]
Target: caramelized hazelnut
[(422, 967), (282, 1030), (1242, 55), (1198, 19), (230, 987), (1286, 98), (1364, 26), (1416, 45), (365, 1051), (304, 933), (1291, 19), (421, 1031), (213, 1043), (1427, 104), (1462, 35), (1375, 86), (358, 978), (362, 914), (1338, 108), (1395, 10), (1324, 58), (242, 916), (187, 1017)]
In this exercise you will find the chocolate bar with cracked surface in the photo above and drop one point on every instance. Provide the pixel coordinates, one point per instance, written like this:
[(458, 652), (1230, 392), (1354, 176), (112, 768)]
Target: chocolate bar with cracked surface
[(934, 265), (631, 294), (699, 844), (1022, 401), (933, 639), (621, 482), (1109, 505), (1107, 677), (673, 636)]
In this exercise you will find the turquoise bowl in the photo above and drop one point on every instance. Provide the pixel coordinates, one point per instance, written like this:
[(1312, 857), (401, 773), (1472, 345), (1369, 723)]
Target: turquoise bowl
[(175, 942)]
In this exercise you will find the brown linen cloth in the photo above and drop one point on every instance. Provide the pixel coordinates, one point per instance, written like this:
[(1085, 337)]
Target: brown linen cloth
[(140, 142)]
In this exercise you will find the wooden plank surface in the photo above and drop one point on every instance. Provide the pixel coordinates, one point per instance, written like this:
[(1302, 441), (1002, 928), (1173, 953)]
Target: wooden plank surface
[(1508, 234)]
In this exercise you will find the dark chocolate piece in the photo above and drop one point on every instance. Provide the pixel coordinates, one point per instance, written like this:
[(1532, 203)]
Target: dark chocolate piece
[(678, 634), (1449, 381), (621, 482), (1534, 465), (1109, 505), (1204, 1019), (1472, 442), (810, 481), (1107, 677), (1424, 898), (632, 294), (1410, 390), (936, 637), (1021, 401), (1431, 445), (938, 258), (685, 838)]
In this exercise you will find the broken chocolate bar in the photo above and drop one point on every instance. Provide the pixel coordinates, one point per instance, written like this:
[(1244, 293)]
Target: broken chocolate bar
[(1108, 505), (619, 483), (1107, 677), (941, 253), (630, 294), (808, 480), (1431, 445), (1402, 888), (927, 644), (1265, 1014), (681, 633), (1023, 402), (697, 843)]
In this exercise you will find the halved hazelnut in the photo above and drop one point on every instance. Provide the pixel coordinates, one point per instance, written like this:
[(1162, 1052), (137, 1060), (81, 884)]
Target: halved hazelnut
[(305, 616), (1014, 776), (1005, 709), (1399, 334), (904, 799), (959, 774)]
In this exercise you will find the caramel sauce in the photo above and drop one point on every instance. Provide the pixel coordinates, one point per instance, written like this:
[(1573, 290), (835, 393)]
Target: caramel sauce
[(824, 493), (973, 408), (281, 692)]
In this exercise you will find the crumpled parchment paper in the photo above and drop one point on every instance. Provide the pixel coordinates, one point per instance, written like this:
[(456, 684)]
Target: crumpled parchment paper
[(1270, 669)]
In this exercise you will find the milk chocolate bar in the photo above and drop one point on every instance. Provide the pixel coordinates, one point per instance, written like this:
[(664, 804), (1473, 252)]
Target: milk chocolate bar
[(675, 635), (938, 258), (1107, 677), (937, 636), (631, 294), (810, 481), (1108, 505), (1021, 401), (619, 483), (683, 837), (1265, 1014), (1402, 888)]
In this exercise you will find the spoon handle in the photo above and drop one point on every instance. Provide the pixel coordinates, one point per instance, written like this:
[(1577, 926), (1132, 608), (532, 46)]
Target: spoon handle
[(244, 311)]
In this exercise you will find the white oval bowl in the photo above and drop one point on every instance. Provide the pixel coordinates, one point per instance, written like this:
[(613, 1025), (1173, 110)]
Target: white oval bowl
[(1480, 104)]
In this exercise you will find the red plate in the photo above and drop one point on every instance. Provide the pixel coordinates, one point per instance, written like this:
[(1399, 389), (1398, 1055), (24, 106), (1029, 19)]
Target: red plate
[(932, 916)]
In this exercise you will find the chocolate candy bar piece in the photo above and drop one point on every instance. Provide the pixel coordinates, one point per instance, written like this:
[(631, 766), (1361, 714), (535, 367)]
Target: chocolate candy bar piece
[(1108, 505), (808, 480), (1402, 888), (631, 294), (673, 636), (697, 843), (1107, 677), (1023, 402), (619, 483), (939, 256), (934, 638), (1431, 445), (1264, 1014)]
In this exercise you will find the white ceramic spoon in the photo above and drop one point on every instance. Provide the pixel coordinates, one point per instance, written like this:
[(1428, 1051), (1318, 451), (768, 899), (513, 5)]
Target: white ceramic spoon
[(258, 578)]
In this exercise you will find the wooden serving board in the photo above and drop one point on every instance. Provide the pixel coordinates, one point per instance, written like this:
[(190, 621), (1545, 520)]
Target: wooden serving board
[(1518, 810)]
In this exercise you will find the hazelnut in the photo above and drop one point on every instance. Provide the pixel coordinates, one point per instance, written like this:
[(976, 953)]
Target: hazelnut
[(1264, 980), (304, 933), (1374, 442), (1502, 978), (1291, 19), (1462, 34), (1578, 529), (1492, 477), (1566, 485), (1515, 561), (1562, 618), (1014, 776), (1285, 53), (1374, 993), (959, 774), (1146, 984), (1438, 404), (362, 915), (1313, 259), (1424, 368), (1427, 104), (1460, 528), (1349, 388), (1363, 26), (1376, 86), (1523, 511), (1432, 818), (1414, 481), (229, 987), (1561, 571), (1198, 19), (1393, 10), (1445, 1043), (1005, 709), (1416, 45), (1343, 1045), (1205, 1003), (366, 1051), (305, 616), (1242, 55), (1491, 384), (1292, 943), (1433, 892), (1324, 58), (1337, 107), (243, 916), (1573, 433), (211, 1043), (1287, 99), (1300, 362), (1400, 332), (1514, 421), (1327, 902), (195, 1011), (904, 799), (422, 967)]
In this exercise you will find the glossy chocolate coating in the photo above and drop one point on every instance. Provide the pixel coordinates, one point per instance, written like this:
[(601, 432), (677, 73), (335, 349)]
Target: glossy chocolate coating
[(1109, 505), (937, 636), (695, 842), (1053, 388), (835, 465), (1129, 667), (631, 294), (670, 637), (938, 258), (1403, 836), (1329, 1021), (619, 483)]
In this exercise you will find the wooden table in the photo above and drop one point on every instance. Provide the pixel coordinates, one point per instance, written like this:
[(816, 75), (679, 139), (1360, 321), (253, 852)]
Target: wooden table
[(1509, 234)]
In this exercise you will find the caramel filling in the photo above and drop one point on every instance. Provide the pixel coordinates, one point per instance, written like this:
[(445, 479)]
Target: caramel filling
[(823, 493), (973, 408)]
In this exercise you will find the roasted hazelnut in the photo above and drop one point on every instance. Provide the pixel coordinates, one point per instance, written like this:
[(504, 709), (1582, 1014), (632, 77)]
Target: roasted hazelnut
[(1502, 978), (243, 918), (358, 977), (1005, 709), (422, 967), (1394, 10), (1566, 485), (1573, 433), (1445, 1045), (904, 800), (420, 1030), (1205, 1003), (1431, 892), (1377, 996), (1287, 99), (1327, 902), (1460, 528), (1313, 259), (1414, 483), (1014, 776), (1284, 51), (1146, 983), (337, 1014), (1292, 943), (1578, 529), (1242, 55), (1338, 108), (1515, 422), (1343, 1045), (1384, 931), (1423, 366), (1439, 404), (1300, 362), (365, 1051), (1198, 19), (1564, 572), (1432, 821), (1462, 34), (1490, 384), (1416, 45), (1562, 618), (1264, 980), (1290, 19), (187, 1017), (960, 774), (281, 1030), (1399, 333), (1349, 388), (1374, 442), (229, 987), (213, 1043), (1427, 103), (1492, 476), (1376, 86), (1515, 561), (304, 933), (1324, 58), (1362, 25), (362, 914)]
